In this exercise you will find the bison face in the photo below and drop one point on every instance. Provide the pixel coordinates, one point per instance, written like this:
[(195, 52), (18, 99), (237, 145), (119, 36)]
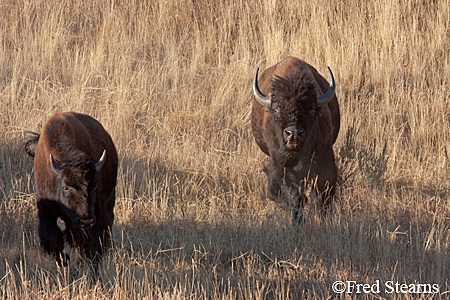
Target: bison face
[(294, 116), (77, 182), (293, 105)]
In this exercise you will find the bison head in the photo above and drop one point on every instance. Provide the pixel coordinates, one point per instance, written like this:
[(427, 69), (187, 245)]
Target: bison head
[(76, 187), (293, 105)]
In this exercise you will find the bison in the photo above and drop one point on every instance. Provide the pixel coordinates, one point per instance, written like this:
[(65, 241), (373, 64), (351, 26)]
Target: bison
[(75, 173), (295, 121)]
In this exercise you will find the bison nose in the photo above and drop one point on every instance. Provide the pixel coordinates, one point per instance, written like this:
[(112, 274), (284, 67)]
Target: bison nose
[(85, 223), (292, 135)]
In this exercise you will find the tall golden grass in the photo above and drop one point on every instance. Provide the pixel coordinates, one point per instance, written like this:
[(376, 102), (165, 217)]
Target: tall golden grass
[(171, 83)]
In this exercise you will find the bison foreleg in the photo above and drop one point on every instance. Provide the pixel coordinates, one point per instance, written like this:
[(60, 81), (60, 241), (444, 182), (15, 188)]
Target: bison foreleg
[(51, 237), (297, 197), (283, 188), (275, 177)]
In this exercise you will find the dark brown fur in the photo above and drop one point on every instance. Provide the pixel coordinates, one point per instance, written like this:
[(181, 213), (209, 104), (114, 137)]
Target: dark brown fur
[(76, 142), (293, 86)]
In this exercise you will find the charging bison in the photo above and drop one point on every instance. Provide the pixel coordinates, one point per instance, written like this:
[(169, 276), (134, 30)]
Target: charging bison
[(295, 121), (75, 172)]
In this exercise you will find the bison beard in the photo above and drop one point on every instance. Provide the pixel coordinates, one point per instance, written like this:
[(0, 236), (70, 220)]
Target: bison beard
[(286, 158)]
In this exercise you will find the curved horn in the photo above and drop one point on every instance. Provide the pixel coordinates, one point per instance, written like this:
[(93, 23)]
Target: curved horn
[(260, 97), (54, 167), (101, 161), (326, 98)]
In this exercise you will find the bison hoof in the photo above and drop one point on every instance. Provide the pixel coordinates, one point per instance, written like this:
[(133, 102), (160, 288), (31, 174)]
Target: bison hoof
[(63, 260)]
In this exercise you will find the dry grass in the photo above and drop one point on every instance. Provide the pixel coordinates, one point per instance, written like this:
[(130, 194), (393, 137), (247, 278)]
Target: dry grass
[(171, 83)]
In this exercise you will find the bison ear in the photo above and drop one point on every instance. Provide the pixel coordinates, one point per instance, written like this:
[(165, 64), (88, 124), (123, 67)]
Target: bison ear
[(54, 167), (259, 96), (326, 98), (101, 161)]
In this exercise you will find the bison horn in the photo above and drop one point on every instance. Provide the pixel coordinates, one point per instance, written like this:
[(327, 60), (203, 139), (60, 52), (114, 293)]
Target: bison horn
[(326, 98), (54, 167), (101, 161), (260, 97)]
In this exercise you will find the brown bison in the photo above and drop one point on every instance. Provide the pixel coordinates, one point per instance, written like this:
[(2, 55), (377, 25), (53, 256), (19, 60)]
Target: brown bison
[(295, 121), (75, 173)]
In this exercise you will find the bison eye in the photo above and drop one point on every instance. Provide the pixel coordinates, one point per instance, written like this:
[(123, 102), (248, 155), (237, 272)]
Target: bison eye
[(275, 111), (67, 190)]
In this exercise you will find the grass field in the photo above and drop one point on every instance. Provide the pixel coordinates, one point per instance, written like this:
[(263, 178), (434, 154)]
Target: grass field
[(171, 82)]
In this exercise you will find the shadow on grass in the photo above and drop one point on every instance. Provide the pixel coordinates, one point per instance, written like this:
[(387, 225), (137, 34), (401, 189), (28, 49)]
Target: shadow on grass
[(175, 237), (301, 260), (246, 250)]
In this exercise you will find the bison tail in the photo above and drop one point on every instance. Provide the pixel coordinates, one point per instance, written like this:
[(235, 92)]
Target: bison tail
[(30, 143)]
